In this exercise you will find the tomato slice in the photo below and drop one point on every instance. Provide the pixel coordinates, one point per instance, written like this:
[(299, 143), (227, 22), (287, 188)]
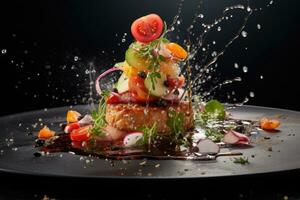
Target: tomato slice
[(147, 28), (81, 134), (176, 82)]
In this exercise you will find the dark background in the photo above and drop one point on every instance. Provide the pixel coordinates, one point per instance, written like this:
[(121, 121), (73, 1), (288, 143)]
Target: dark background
[(38, 71), (42, 38)]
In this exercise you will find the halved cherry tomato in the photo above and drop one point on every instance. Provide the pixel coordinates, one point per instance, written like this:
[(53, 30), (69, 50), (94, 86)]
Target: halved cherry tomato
[(269, 124), (176, 82), (81, 134), (45, 133), (147, 28), (176, 50), (72, 116), (138, 89)]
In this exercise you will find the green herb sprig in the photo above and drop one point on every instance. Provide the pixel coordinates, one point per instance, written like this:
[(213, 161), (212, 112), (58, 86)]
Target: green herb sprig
[(241, 160)]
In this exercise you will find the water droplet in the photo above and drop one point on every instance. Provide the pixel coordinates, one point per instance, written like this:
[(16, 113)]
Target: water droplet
[(245, 69), (261, 77), (258, 26), (76, 58), (214, 42), (123, 40), (219, 28), (172, 28), (244, 33), (201, 16), (271, 2), (214, 53), (87, 71), (252, 94), (178, 22), (236, 65), (249, 9), (3, 51), (203, 49)]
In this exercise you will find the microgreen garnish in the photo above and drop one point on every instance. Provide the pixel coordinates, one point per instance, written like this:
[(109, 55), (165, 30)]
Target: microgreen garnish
[(99, 118), (149, 135), (241, 160), (175, 123)]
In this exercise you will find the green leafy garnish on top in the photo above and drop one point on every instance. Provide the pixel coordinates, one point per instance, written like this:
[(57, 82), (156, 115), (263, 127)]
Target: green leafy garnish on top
[(99, 118)]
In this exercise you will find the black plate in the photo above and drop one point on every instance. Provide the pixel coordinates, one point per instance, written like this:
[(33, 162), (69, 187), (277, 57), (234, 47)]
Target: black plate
[(17, 151)]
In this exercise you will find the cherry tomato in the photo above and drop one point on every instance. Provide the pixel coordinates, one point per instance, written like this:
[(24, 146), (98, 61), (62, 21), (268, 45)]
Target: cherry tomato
[(176, 82), (81, 134), (147, 28)]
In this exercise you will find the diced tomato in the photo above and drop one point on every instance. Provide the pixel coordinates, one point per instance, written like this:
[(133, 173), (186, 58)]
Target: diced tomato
[(176, 82), (138, 89), (70, 127), (269, 124), (45, 133), (72, 116), (112, 99), (147, 28), (81, 134)]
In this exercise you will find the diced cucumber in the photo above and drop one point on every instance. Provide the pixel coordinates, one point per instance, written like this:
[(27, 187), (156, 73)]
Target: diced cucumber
[(133, 58), (156, 87), (122, 84)]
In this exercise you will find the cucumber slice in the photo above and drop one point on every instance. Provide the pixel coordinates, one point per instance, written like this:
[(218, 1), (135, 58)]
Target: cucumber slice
[(156, 88), (122, 84), (133, 58)]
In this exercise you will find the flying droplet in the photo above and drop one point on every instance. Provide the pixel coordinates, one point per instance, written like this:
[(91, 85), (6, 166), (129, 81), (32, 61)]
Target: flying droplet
[(245, 69), (258, 26), (219, 28), (249, 9), (252, 94), (261, 77), (201, 16), (244, 33), (214, 54), (236, 65), (178, 22), (76, 58), (3, 51), (123, 40)]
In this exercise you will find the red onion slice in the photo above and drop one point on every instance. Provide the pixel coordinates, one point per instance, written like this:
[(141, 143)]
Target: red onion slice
[(98, 89)]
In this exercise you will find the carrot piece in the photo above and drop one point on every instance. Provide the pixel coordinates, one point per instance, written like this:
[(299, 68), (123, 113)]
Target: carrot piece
[(45, 133), (269, 124), (72, 116)]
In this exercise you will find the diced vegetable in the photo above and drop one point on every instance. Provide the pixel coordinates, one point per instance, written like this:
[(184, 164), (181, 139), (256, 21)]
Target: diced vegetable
[(269, 124), (72, 116), (138, 89), (177, 51), (81, 134), (134, 59), (122, 84), (207, 146), (45, 133), (70, 127)]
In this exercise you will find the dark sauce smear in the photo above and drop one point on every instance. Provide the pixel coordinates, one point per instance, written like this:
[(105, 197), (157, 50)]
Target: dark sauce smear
[(109, 150)]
